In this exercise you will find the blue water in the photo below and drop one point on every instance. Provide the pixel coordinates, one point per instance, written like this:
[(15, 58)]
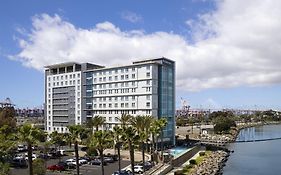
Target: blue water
[(256, 158), (178, 151)]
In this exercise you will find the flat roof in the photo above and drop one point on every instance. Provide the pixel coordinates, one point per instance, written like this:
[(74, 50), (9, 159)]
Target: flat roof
[(61, 65), (152, 59)]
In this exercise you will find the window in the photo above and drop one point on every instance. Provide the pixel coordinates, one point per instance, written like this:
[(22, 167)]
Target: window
[(110, 78), (133, 105), (61, 77), (100, 79), (110, 118), (110, 105), (133, 76), (126, 69), (122, 77), (126, 105), (49, 79), (122, 105), (65, 83), (73, 75), (78, 75), (133, 69), (147, 82), (61, 83), (110, 72), (122, 70), (147, 67), (126, 77), (126, 98), (116, 85), (116, 71), (109, 98), (133, 98), (70, 76), (78, 81), (104, 78), (148, 104), (54, 78), (116, 98), (148, 97), (122, 98), (116, 78), (116, 105), (148, 74)]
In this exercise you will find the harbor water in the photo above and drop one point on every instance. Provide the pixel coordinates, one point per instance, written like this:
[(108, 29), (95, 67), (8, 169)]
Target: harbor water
[(257, 157)]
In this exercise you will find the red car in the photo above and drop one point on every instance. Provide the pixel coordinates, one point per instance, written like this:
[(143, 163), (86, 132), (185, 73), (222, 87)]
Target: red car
[(56, 168)]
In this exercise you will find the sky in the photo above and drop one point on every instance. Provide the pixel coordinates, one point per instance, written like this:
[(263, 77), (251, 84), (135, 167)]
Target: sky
[(227, 52)]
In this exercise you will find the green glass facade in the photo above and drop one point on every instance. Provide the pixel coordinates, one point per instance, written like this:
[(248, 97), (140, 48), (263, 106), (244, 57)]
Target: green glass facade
[(166, 97)]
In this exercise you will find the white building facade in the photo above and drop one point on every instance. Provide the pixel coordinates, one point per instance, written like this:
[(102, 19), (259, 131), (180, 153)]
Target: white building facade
[(77, 92)]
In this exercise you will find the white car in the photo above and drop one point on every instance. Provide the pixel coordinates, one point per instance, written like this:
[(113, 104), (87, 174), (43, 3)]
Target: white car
[(138, 169), (70, 162), (34, 156)]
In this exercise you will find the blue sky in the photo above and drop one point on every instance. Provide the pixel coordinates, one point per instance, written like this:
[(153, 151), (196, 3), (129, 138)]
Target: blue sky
[(215, 44)]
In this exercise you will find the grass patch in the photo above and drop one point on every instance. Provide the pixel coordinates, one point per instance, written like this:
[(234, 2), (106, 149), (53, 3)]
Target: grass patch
[(196, 161)]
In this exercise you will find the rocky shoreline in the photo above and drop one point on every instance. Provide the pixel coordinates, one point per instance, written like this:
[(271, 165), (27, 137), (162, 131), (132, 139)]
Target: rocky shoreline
[(212, 164)]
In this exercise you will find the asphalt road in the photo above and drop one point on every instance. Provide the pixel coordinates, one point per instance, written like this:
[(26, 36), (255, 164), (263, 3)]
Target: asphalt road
[(84, 169)]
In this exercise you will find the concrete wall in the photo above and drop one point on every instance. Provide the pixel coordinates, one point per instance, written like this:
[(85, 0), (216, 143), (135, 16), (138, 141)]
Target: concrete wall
[(184, 157)]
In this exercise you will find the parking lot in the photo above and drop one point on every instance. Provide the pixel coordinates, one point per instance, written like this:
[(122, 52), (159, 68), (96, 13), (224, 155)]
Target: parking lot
[(84, 169)]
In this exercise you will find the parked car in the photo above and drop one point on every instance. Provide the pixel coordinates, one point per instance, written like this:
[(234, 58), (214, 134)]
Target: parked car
[(34, 156), (122, 172), (138, 169), (108, 160), (66, 166), (97, 162), (43, 156), (70, 162), (56, 168), (18, 163), (22, 148), (81, 161)]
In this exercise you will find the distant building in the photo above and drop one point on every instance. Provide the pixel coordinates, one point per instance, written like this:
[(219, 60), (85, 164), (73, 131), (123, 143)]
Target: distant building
[(193, 112), (77, 92), (6, 103)]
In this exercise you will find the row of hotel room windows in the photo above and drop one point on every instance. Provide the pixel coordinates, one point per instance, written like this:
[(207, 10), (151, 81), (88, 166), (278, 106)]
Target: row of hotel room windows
[(122, 77), (122, 70), (57, 78), (65, 83), (110, 105), (122, 98), (116, 85), (147, 112), (115, 91)]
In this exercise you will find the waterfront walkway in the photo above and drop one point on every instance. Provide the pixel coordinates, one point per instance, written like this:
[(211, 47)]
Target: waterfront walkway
[(258, 140)]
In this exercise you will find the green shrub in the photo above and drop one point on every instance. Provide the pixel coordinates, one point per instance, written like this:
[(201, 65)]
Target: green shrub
[(202, 154), (192, 162), (39, 167)]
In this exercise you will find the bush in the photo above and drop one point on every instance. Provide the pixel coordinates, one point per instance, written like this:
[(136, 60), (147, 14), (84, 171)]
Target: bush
[(192, 162), (202, 154), (39, 167)]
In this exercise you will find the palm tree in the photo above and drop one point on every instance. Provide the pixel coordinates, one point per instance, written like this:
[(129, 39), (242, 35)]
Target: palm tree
[(142, 125), (96, 121), (75, 132), (117, 132), (162, 124), (155, 132), (101, 140), (30, 135), (125, 120), (130, 137)]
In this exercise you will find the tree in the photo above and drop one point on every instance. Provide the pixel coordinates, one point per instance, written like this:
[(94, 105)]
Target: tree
[(117, 132), (142, 126), (74, 135), (223, 124), (39, 167), (162, 124), (155, 132), (95, 122), (30, 135), (101, 140), (7, 117), (131, 138)]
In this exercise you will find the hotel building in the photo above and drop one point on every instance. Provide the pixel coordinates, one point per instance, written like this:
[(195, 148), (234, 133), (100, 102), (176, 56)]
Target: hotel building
[(76, 92)]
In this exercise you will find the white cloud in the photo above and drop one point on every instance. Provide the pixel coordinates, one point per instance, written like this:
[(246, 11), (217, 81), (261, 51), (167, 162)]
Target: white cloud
[(237, 44), (131, 16)]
